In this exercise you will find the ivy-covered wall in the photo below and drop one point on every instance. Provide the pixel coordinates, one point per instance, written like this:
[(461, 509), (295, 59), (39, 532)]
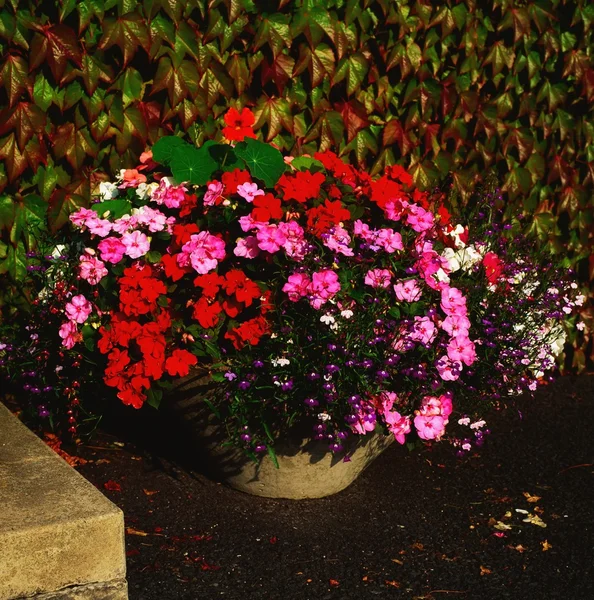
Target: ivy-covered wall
[(439, 86)]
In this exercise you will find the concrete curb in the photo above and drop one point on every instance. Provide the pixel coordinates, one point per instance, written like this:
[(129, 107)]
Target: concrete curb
[(59, 536)]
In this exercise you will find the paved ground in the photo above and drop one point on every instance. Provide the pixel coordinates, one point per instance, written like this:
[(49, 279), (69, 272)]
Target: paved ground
[(417, 526)]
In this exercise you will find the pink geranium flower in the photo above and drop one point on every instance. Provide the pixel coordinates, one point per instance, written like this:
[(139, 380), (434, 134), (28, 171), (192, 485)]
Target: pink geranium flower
[(453, 302), (324, 284), (249, 191), (69, 334), (456, 325), (419, 219), (247, 247), (424, 330), (112, 250), (297, 286), (430, 427), (407, 291), (461, 348), (448, 369), (271, 238), (389, 240), (81, 216), (136, 244), (91, 269), (377, 278), (78, 309), (203, 252), (100, 227), (215, 191)]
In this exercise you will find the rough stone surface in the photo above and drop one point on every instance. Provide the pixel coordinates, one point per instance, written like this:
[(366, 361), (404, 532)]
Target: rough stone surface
[(110, 590), (57, 529)]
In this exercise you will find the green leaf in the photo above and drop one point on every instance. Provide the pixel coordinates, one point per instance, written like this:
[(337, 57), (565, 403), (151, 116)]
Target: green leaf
[(43, 93), (132, 86), (306, 163), (116, 208), (194, 165), (164, 148), (272, 455), (224, 155), (15, 263), (154, 397), (263, 161), (7, 208)]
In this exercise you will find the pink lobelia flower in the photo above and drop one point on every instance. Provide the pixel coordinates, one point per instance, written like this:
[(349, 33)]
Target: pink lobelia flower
[(378, 278), (91, 269), (247, 247), (249, 191), (69, 334), (136, 243), (112, 250), (462, 348), (271, 238), (430, 427), (78, 309), (297, 286), (215, 191), (407, 291)]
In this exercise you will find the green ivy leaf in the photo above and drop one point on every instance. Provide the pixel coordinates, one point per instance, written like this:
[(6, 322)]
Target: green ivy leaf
[(43, 93), (263, 161), (194, 165), (15, 263), (7, 207)]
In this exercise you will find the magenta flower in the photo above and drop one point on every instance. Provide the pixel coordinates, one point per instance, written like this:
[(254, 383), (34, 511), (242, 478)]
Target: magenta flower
[(419, 219), (78, 309), (339, 241), (100, 227), (112, 250), (136, 243), (249, 191), (389, 240), (170, 195), (271, 238), (407, 291), (81, 216), (424, 330), (456, 325), (430, 427), (297, 286), (324, 284), (125, 224), (203, 252), (378, 278), (398, 425), (152, 218), (453, 302)]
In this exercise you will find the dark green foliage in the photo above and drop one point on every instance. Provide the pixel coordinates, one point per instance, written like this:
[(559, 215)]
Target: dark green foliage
[(437, 86)]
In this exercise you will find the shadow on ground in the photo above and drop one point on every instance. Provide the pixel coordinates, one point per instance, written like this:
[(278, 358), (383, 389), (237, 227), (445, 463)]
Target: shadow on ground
[(514, 520)]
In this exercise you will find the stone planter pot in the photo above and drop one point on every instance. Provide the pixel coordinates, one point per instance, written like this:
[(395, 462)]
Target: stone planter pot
[(306, 469)]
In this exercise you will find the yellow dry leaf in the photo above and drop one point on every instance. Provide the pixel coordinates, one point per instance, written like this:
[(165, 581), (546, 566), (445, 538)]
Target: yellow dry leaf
[(418, 546), (530, 497), (519, 548), (502, 526), (150, 492), (132, 531), (546, 546), (508, 514), (535, 520), (398, 562), (485, 571), (393, 583)]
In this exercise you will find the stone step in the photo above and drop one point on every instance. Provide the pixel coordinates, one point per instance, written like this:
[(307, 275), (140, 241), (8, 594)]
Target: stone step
[(60, 538)]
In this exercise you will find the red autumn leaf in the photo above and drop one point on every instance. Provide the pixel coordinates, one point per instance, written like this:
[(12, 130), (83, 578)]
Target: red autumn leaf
[(334, 583), (112, 486), (354, 116), (128, 32), (14, 76), (25, 119), (34, 154), (280, 71), (55, 45), (94, 71), (132, 552), (74, 144)]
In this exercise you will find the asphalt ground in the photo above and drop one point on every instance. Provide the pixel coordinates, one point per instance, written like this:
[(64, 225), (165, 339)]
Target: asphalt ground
[(514, 519)]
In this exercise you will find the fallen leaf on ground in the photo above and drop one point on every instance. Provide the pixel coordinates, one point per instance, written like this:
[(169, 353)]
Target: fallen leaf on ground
[(112, 486), (521, 510), (519, 548), (334, 583), (502, 526), (535, 520), (398, 562), (102, 461), (531, 498), (132, 552), (132, 531), (485, 571), (273, 539), (546, 546), (418, 546), (150, 492), (392, 583)]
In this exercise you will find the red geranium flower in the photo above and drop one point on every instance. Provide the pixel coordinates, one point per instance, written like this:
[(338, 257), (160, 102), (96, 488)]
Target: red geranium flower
[(210, 283), (207, 313), (244, 289), (172, 268), (179, 363), (266, 207), (302, 186), (239, 126), (321, 218), (493, 267), (231, 179)]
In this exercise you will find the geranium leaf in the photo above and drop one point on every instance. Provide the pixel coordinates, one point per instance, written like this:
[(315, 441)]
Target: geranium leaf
[(263, 161), (164, 148), (224, 155), (194, 165)]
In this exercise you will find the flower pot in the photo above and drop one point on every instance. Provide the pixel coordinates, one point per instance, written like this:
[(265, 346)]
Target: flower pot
[(306, 468)]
